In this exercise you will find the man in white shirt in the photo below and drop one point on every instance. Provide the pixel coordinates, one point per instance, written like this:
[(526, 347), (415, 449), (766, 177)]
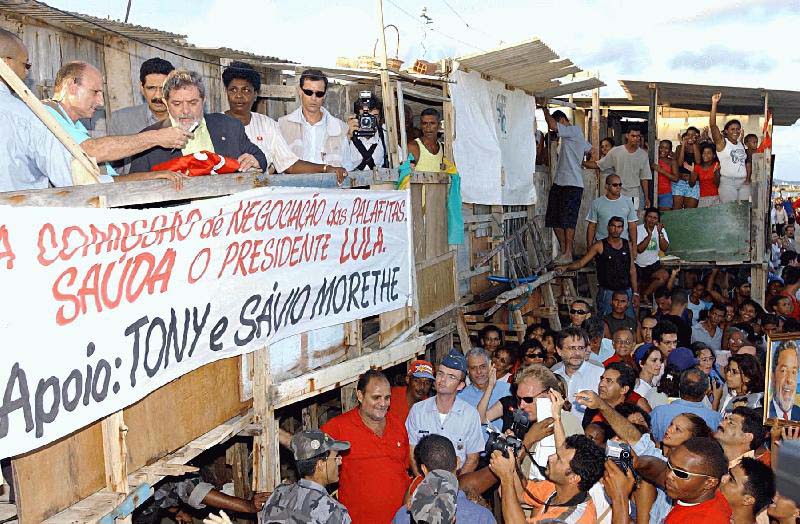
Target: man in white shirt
[(580, 374), (242, 84), (313, 134), (652, 238), (631, 163)]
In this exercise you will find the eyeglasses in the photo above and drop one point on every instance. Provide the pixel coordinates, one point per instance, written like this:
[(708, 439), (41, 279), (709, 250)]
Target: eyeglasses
[(575, 348), (615, 184), (578, 312), (310, 92), (535, 355), (683, 474), (529, 400), (27, 65)]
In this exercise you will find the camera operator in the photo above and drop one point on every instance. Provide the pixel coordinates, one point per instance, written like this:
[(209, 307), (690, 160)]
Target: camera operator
[(367, 134), (571, 472)]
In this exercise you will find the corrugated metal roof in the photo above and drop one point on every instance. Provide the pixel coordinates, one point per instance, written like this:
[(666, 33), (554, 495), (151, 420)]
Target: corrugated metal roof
[(73, 21), (531, 66), (785, 105)]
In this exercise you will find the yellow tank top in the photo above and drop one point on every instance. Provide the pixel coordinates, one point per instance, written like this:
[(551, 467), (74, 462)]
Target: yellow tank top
[(427, 161)]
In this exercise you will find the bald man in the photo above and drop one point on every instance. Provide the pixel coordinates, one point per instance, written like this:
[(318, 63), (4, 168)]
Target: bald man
[(78, 92), (30, 155)]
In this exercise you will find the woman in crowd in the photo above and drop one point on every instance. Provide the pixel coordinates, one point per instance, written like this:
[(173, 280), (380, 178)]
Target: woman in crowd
[(606, 145), (707, 362), (504, 360), (686, 190), (778, 217), (734, 171), (744, 385), (749, 312), (532, 352), (707, 171), (667, 169), (649, 366)]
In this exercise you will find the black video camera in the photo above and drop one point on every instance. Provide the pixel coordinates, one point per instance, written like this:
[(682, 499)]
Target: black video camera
[(620, 453), (367, 122), (500, 442)]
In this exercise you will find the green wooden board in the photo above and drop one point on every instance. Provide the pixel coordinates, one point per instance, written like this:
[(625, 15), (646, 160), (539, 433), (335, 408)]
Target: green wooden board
[(710, 234)]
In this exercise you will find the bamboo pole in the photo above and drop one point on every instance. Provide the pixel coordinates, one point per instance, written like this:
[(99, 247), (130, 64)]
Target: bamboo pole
[(389, 105)]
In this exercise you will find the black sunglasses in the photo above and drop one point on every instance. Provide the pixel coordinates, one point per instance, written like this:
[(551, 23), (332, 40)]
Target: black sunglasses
[(535, 355), (310, 92), (578, 311), (615, 184)]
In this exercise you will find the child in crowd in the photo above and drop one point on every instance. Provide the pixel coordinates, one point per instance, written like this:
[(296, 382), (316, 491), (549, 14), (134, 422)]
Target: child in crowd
[(707, 171), (667, 169)]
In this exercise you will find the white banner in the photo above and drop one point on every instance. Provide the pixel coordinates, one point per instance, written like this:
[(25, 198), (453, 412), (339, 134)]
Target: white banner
[(103, 306), (495, 146)]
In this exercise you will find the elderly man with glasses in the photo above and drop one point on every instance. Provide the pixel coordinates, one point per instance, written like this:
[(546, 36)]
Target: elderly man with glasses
[(313, 134)]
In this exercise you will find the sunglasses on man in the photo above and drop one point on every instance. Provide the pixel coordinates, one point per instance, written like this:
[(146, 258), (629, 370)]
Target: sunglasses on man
[(578, 312), (683, 474), (27, 65), (535, 355), (311, 92)]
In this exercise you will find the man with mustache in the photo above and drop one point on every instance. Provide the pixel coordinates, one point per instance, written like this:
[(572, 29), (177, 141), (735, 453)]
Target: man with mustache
[(784, 383), (130, 120)]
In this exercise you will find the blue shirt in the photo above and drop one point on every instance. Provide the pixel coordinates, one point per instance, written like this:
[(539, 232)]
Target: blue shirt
[(661, 417), (472, 395), (32, 157), (462, 425), (466, 511), (79, 134)]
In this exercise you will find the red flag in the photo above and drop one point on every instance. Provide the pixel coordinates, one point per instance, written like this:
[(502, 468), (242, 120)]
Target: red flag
[(199, 164), (767, 142)]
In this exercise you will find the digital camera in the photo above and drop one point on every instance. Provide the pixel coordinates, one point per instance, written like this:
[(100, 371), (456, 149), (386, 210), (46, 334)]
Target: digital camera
[(367, 122), (520, 423), (500, 442)]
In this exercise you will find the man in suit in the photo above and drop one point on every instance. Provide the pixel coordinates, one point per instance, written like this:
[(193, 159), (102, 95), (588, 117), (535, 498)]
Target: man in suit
[(784, 383), (184, 94)]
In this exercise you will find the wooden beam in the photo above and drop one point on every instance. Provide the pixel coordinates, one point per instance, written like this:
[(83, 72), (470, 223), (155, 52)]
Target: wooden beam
[(651, 140), (572, 87), (316, 382), (266, 453)]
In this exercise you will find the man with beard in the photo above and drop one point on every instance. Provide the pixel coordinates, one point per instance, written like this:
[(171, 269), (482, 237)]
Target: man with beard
[(418, 387), (615, 388), (580, 374), (130, 120), (184, 92), (784, 383), (691, 479), (373, 478), (564, 497)]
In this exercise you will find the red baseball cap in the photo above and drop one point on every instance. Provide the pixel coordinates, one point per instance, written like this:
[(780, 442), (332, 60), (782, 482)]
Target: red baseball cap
[(421, 369)]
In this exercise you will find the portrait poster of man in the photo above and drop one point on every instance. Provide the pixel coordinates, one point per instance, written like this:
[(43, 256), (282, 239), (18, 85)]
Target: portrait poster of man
[(782, 403)]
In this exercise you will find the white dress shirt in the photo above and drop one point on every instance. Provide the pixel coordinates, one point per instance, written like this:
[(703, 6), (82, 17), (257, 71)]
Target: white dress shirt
[(263, 132), (587, 377)]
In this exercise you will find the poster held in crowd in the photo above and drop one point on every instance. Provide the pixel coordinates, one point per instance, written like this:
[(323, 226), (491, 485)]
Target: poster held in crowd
[(104, 306), (782, 389)]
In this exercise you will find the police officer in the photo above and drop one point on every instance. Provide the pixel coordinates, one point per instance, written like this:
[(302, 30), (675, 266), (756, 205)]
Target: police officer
[(307, 501)]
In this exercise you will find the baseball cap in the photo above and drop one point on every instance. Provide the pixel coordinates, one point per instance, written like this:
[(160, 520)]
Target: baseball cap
[(681, 358), (311, 443), (434, 501), (455, 360), (639, 353), (421, 369)]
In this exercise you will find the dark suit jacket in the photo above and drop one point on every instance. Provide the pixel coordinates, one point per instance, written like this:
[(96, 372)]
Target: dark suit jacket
[(227, 135), (794, 415)]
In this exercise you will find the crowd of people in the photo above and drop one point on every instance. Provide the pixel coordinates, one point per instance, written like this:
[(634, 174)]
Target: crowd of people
[(707, 168), (173, 122)]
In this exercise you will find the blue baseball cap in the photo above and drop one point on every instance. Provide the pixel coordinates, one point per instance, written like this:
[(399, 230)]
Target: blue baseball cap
[(455, 360), (681, 358)]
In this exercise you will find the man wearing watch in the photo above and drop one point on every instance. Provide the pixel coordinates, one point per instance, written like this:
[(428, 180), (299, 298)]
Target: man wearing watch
[(651, 239)]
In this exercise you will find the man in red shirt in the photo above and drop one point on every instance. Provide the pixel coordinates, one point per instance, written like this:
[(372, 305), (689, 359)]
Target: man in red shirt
[(691, 479), (373, 477), (419, 381)]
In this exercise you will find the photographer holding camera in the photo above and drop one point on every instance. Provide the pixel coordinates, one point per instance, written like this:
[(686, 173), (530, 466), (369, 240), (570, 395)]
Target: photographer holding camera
[(367, 135)]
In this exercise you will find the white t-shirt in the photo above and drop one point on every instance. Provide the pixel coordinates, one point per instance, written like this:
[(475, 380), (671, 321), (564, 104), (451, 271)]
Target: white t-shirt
[(264, 132), (732, 160), (650, 255)]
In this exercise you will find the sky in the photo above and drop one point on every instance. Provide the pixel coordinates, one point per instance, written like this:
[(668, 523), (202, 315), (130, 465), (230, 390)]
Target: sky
[(723, 42)]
